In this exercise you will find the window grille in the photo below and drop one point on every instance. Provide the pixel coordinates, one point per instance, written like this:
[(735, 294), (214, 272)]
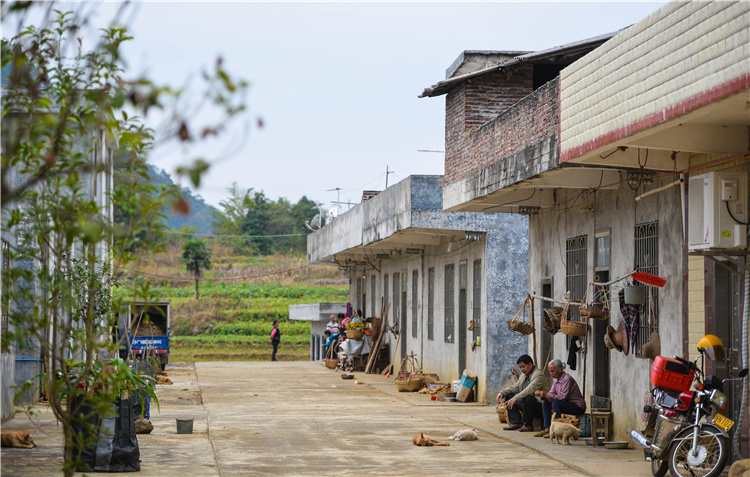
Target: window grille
[(414, 289), (385, 291), (396, 301), (5, 271), (449, 302), (476, 309), (647, 260), (575, 271), (431, 303)]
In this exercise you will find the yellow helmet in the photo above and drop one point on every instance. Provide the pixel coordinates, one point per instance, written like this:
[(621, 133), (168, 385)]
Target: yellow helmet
[(712, 346)]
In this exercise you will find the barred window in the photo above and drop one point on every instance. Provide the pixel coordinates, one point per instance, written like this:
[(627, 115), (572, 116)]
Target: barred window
[(5, 284), (385, 291), (449, 306), (414, 301), (431, 303), (476, 300), (647, 260), (575, 271), (396, 302)]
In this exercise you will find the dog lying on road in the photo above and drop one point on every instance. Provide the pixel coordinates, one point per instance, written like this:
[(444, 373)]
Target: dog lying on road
[(17, 439)]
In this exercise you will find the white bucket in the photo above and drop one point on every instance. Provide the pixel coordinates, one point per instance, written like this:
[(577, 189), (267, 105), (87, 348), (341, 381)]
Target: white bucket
[(456, 385)]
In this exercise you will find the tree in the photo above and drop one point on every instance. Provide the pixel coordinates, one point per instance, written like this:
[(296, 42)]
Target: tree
[(198, 257), (229, 220), (256, 223), (65, 110)]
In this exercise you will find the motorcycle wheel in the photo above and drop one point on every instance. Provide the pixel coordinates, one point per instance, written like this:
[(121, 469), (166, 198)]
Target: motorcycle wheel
[(659, 467), (713, 453)]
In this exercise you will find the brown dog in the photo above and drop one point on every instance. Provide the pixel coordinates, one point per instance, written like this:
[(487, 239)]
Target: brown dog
[(17, 439), (423, 440)]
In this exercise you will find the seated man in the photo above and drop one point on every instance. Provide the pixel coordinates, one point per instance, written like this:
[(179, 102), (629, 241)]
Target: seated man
[(523, 404), (563, 397)]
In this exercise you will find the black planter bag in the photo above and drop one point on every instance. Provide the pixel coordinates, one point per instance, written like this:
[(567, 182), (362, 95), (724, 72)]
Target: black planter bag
[(116, 447)]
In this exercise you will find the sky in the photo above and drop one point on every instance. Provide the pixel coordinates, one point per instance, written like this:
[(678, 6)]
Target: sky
[(337, 84)]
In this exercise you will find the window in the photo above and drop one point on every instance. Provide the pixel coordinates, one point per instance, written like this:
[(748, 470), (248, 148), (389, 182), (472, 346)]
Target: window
[(430, 303), (449, 304), (359, 294), (372, 296), (396, 302), (385, 292), (6, 301), (476, 300), (575, 271), (647, 260), (364, 297), (414, 287)]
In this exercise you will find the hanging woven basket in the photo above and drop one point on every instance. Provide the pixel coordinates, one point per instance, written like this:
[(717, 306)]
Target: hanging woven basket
[(552, 316), (570, 327), (524, 324)]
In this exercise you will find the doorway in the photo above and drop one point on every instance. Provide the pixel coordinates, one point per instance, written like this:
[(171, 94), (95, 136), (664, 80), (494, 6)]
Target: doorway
[(547, 341), (725, 321), (462, 303), (402, 313)]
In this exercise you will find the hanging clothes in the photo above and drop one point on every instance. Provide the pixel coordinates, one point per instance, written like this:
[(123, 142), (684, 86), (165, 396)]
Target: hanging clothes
[(630, 317), (572, 350)]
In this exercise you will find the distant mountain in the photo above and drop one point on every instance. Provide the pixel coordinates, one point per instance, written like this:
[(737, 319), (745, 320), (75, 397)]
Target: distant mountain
[(201, 214)]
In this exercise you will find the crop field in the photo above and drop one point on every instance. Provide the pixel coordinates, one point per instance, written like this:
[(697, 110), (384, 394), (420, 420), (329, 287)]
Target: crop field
[(232, 321)]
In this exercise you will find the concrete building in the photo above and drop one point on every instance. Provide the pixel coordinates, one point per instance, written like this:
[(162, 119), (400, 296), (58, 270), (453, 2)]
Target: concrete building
[(437, 272), (603, 159), (318, 314)]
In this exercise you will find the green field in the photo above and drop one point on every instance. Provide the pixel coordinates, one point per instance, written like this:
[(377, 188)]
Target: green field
[(232, 322)]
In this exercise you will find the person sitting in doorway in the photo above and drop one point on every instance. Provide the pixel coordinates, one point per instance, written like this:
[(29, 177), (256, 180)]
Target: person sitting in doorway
[(563, 397), (521, 400)]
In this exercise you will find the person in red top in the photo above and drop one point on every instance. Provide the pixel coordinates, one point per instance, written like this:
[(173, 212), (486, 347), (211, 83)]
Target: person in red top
[(563, 397), (275, 339)]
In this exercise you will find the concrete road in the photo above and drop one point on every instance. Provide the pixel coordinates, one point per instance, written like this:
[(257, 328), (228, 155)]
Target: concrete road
[(300, 418)]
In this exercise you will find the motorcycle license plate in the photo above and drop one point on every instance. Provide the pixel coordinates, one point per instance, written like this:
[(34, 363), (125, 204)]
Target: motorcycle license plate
[(723, 422)]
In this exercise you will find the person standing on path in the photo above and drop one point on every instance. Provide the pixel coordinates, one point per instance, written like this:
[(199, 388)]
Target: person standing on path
[(275, 339)]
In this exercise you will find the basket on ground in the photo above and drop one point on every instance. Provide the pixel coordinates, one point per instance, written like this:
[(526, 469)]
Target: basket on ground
[(355, 334), (502, 412), (409, 382)]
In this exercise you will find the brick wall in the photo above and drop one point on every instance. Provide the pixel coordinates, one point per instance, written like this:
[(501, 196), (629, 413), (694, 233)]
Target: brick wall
[(516, 142), (475, 103)]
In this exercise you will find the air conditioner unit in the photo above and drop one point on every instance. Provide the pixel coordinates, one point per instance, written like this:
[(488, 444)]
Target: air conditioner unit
[(717, 211)]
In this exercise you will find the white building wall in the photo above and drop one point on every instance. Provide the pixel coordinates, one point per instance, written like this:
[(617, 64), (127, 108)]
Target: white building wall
[(678, 52), (629, 375)]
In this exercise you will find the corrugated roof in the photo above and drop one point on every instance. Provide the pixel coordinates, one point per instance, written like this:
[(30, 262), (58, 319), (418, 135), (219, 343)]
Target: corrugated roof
[(442, 87)]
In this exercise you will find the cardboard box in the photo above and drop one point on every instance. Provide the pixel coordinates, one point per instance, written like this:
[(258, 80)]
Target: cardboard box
[(466, 386)]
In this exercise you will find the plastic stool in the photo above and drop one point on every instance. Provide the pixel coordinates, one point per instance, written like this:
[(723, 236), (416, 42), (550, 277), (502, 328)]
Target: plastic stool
[(600, 423)]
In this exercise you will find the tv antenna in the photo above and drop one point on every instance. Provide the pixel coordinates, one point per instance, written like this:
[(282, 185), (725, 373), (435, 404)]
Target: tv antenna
[(338, 198), (387, 172)]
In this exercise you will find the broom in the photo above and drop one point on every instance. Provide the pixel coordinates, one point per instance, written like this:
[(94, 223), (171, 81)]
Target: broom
[(649, 279)]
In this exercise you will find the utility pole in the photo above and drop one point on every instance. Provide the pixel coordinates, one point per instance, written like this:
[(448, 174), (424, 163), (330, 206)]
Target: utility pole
[(386, 176)]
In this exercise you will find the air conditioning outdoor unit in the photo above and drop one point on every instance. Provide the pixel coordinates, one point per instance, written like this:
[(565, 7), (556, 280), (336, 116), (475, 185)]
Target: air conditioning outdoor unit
[(718, 211)]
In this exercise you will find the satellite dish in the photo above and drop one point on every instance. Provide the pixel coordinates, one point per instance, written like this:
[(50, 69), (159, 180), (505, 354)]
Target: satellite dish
[(315, 223)]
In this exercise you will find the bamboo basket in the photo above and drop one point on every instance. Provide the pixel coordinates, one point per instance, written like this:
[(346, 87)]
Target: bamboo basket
[(331, 363), (522, 325), (552, 319), (410, 382), (502, 408), (502, 412), (570, 327), (355, 334), (597, 312)]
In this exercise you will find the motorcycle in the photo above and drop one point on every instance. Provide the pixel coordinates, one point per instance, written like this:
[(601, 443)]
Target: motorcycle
[(680, 435)]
